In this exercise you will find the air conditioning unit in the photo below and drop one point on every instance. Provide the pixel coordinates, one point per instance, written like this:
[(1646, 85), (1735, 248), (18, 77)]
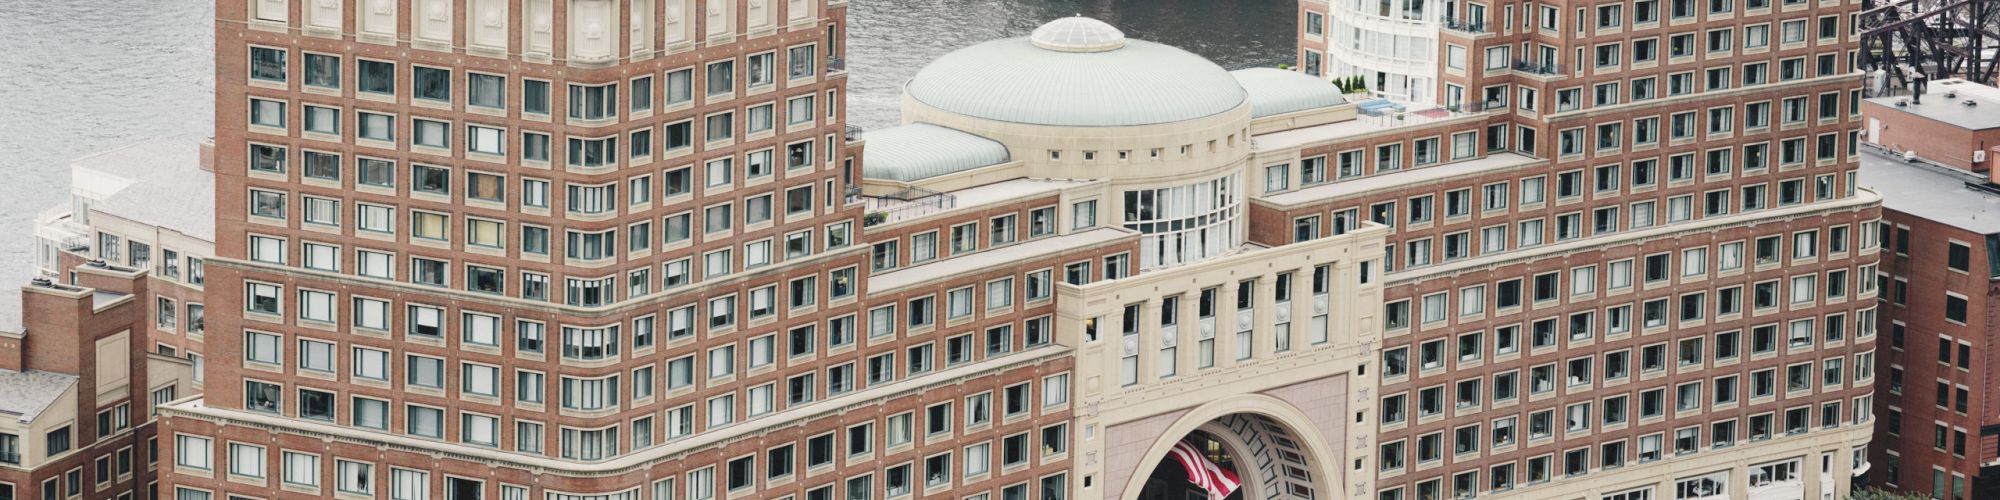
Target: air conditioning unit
[(1979, 156)]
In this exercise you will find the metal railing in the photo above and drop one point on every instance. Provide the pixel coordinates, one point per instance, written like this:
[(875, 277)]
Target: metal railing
[(1474, 106), (52, 285), (1524, 65), (906, 204), (836, 64), (1400, 119), (854, 132), (1476, 26)]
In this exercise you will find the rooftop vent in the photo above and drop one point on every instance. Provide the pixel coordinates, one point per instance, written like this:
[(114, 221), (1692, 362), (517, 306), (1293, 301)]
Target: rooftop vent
[(43, 282), (1969, 102), (1951, 94), (98, 263), (1902, 103)]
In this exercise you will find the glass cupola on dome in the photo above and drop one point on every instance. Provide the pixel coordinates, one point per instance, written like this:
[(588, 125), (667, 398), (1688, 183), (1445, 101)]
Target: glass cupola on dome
[(1076, 72)]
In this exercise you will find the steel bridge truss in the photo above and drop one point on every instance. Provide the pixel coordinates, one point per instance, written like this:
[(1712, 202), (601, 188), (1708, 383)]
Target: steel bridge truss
[(1942, 38)]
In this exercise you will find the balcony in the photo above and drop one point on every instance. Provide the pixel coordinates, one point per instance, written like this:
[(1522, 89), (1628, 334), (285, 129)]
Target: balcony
[(1469, 26), (1389, 114), (906, 204), (836, 65), (1535, 68), (58, 224), (1476, 106)]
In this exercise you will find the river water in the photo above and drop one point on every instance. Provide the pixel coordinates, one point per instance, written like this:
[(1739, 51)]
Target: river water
[(81, 76)]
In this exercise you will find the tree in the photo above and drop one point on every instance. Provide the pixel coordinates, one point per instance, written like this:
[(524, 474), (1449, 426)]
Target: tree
[(1881, 494)]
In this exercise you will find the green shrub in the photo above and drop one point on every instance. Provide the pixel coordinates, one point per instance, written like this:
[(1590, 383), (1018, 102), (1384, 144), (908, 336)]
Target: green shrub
[(1873, 493)]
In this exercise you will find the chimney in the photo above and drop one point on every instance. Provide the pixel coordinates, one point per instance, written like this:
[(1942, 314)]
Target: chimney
[(208, 155), (55, 317), (1991, 160)]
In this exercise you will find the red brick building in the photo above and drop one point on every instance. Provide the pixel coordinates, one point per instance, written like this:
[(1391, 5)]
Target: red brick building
[(592, 249), (80, 385), (457, 249), (1952, 125), (1937, 434), (1688, 166)]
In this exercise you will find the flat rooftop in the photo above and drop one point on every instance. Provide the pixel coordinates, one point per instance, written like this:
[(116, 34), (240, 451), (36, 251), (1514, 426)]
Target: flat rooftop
[(972, 197), (1363, 124), (1953, 111), (158, 182), (1931, 192), (992, 259), (1379, 182)]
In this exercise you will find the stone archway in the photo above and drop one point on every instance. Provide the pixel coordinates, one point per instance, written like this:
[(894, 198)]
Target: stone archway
[(1273, 448)]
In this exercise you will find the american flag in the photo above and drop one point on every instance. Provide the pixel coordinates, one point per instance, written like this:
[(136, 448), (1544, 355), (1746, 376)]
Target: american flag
[(1218, 481)]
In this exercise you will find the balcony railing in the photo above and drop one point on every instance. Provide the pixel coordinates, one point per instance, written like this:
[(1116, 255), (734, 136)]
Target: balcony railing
[(1474, 26), (906, 204), (1526, 66), (1400, 116), (854, 132), (1474, 106), (836, 64)]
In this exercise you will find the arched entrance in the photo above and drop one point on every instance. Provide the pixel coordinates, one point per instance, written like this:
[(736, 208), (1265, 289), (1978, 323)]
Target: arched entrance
[(1270, 447), (1260, 452), (1171, 481)]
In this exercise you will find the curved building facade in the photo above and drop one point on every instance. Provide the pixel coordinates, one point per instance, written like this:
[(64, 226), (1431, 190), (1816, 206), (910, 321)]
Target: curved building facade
[(1168, 129), (1392, 45)]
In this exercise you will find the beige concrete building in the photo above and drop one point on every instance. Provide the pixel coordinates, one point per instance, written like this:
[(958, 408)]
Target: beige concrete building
[(147, 206), (1255, 352)]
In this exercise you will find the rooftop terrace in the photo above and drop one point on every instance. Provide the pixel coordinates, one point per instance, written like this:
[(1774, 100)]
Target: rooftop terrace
[(915, 204), (159, 183), (1946, 103)]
